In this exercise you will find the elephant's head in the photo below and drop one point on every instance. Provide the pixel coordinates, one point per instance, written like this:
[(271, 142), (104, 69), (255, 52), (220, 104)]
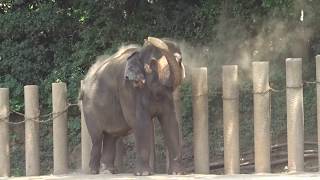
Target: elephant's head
[(159, 60)]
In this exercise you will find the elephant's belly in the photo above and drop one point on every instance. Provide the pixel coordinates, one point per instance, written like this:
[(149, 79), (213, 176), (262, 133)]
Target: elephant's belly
[(117, 127), (105, 109), (111, 119)]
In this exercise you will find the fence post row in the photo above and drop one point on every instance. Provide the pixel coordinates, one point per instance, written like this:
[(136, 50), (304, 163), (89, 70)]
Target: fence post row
[(60, 137), (295, 124), (261, 116), (231, 119), (4, 133), (32, 154), (262, 121), (200, 120)]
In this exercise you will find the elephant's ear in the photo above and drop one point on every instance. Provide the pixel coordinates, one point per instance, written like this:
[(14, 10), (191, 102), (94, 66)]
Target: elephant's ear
[(133, 67)]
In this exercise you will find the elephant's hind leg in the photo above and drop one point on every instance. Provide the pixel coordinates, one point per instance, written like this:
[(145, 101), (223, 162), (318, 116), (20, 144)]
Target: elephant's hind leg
[(108, 154), (95, 153)]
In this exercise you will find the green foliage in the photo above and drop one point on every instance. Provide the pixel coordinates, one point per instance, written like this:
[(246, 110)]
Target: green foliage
[(16, 88), (17, 157), (74, 128)]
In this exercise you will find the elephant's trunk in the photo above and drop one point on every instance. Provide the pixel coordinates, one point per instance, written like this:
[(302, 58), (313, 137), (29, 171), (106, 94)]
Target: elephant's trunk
[(175, 67)]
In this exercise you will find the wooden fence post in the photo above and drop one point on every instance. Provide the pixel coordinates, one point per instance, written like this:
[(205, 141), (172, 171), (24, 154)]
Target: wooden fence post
[(262, 116), (231, 119), (318, 104), (60, 127), (200, 120), (32, 153), (86, 143), (4, 133), (295, 124)]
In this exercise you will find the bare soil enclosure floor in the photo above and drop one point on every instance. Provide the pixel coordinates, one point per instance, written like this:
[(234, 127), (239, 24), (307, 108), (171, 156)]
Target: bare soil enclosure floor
[(161, 176)]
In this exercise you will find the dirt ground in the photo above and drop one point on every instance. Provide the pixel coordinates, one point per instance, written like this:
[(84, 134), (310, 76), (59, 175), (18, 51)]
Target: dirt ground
[(181, 177), (247, 158)]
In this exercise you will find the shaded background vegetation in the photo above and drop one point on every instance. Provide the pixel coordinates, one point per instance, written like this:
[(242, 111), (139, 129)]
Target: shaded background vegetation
[(45, 41)]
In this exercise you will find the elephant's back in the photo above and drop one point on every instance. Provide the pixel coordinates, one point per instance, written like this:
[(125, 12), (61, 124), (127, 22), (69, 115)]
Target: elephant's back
[(112, 66)]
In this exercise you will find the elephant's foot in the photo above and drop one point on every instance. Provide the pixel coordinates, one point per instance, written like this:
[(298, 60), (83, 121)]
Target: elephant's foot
[(143, 172), (177, 173), (176, 169), (94, 168), (94, 171), (104, 169)]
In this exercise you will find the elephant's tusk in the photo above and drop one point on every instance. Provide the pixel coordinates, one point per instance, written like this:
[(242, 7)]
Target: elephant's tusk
[(158, 43)]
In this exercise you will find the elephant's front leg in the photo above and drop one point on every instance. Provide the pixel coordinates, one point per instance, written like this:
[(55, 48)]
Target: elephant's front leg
[(170, 128), (143, 129), (108, 154)]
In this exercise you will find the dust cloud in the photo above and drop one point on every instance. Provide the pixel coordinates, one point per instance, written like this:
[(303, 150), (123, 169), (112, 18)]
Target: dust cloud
[(236, 43)]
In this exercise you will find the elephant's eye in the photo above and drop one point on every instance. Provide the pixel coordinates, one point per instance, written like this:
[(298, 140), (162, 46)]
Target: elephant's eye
[(178, 57)]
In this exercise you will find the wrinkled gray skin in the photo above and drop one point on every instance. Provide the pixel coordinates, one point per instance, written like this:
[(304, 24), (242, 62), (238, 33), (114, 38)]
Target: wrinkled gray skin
[(122, 94)]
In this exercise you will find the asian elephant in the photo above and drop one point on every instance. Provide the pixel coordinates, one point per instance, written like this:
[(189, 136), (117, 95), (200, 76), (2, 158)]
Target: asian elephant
[(122, 94)]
